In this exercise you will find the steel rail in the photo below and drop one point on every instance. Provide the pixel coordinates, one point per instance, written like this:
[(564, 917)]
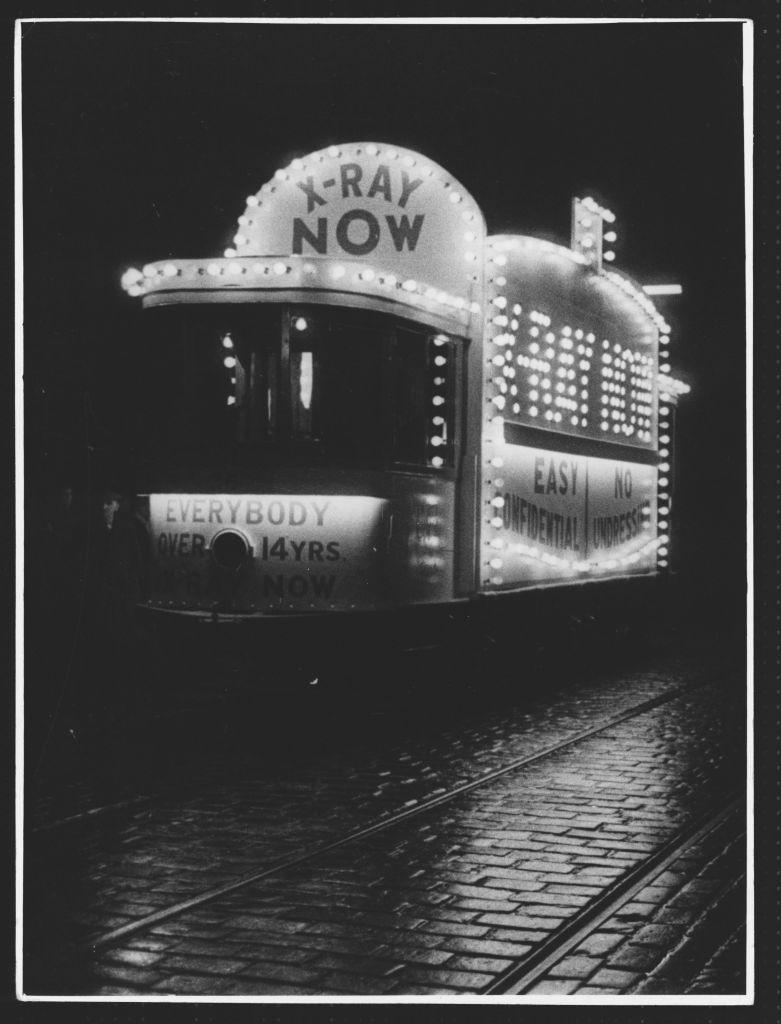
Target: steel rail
[(115, 935), (524, 974), (92, 813)]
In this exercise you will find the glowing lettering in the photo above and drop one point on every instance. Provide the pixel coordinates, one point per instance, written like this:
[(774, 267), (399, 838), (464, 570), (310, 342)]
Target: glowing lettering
[(296, 513), (403, 232), (320, 511), (381, 184), (234, 509), (301, 234), (553, 476), (407, 188), (350, 245), (312, 197), (623, 483), (351, 175)]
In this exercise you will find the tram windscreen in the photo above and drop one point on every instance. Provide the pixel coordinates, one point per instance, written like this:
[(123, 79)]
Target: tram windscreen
[(229, 378), (193, 365)]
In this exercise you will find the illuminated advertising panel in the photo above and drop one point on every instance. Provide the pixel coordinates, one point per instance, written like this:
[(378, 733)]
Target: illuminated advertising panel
[(557, 516), (571, 352), (250, 552), (395, 209)]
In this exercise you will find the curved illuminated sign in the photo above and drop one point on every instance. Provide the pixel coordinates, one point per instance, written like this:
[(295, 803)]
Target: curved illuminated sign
[(366, 200)]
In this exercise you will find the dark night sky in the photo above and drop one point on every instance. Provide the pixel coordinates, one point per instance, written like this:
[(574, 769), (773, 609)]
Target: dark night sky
[(142, 140)]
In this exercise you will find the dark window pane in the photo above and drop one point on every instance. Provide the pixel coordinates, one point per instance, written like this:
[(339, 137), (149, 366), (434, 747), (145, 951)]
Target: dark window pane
[(256, 376), (411, 394), (353, 387), (206, 377), (358, 387)]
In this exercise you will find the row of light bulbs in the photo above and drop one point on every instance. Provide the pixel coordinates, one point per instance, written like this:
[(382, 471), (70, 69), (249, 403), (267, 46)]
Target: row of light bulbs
[(599, 211), (496, 562), (663, 487), (642, 300), (614, 354), (438, 441), (299, 165), (229, 362), (672, 388), (155, 275)]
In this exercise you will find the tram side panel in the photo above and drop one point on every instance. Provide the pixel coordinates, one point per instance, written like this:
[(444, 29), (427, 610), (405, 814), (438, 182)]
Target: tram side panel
[(569, 460), (422, 539)]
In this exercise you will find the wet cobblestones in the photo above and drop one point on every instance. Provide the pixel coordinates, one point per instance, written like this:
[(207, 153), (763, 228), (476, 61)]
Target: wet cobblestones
[(147, 856), (403, 773), (670, 938), (442, 905)]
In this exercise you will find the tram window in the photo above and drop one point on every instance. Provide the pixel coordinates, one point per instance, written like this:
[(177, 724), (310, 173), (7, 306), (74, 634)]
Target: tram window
[(185, 380), (358, 387), (207, 377), (354, 387), (335, 386), (255, 383), (305, 390), (410, 398)]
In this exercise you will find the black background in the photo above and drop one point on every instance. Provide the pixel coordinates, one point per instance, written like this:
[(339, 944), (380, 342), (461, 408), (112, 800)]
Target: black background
[(141, 141)]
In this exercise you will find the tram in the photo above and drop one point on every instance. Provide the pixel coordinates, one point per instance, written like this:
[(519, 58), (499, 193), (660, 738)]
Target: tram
[(379, 406)]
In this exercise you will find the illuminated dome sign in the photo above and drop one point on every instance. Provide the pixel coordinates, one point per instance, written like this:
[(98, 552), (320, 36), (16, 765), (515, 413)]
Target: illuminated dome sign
[(376, 226), (376, 202)]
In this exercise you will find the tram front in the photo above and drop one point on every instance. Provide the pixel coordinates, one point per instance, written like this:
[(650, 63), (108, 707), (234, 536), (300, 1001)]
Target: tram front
[(301, 440)]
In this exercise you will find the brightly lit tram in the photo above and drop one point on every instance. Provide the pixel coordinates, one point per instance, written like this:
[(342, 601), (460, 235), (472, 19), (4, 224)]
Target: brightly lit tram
[(376, 405)]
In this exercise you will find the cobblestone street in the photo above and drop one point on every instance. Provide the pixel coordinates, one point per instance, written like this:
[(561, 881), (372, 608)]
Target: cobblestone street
[(445, 901)]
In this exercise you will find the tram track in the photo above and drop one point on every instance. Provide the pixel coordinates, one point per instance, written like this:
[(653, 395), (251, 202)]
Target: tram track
[(95, 812), (523, 975), (133, 928), (92, 814)]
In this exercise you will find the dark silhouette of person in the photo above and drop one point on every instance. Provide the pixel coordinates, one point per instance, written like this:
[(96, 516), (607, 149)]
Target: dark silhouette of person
[(116, 569)]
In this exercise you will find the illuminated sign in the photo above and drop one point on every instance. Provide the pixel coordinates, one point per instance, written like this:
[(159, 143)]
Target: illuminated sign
[(568, 353), (554, 516), (370, 200), (245, 552)]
